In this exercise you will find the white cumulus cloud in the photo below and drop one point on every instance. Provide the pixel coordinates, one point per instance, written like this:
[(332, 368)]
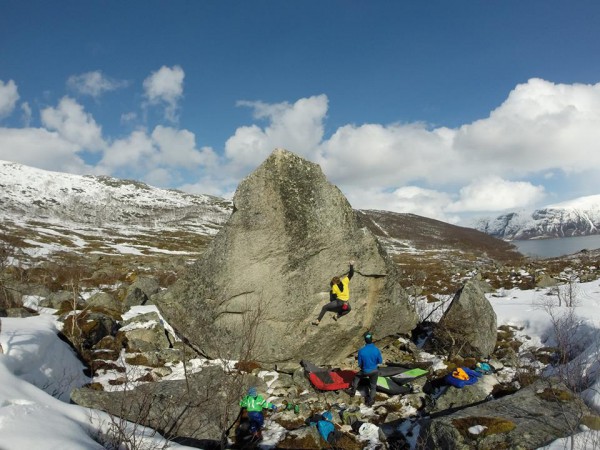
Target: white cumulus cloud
[(494, 193), (94, 83), (178, 148), (542, 126), (74, 124), (392, 155), (8, 97), (39, 147), (407, 199), (157, 157), (136, 152), (297, 127), (165, 86)]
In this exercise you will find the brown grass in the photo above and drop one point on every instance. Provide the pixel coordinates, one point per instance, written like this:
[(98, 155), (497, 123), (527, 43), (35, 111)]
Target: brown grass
[(592, 422), (494, 425), (555, 395), (247, 366)]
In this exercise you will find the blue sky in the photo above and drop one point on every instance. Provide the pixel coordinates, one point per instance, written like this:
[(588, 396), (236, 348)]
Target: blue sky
[(444, 109)]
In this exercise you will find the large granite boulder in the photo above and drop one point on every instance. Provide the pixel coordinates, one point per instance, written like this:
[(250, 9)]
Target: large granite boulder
[(469, 327), (290, 232)]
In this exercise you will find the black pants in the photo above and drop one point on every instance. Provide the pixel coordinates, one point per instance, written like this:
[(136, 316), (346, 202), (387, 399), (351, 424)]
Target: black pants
[(335, 306), (372, 376), (333, 437)]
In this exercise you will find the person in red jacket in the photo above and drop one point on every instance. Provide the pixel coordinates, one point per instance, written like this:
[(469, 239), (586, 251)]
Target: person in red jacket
[(339, 297)]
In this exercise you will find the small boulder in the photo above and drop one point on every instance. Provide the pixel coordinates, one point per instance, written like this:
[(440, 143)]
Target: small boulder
[(104, 300), (468, 328), (545, 281), (141, 291), (56, 299), (145, 333)]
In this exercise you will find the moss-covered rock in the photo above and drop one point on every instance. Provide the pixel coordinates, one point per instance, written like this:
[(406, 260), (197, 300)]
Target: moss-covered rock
[(490, 425)]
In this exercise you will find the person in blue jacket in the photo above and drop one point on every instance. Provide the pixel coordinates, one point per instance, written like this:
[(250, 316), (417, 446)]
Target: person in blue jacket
[(369, 358)]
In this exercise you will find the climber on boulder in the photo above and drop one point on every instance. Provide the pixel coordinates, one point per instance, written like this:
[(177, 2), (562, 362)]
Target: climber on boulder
[(339, 296)]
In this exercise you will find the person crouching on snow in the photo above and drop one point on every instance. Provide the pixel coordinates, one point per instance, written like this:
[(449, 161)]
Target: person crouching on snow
[(254, 404), (339, 296)]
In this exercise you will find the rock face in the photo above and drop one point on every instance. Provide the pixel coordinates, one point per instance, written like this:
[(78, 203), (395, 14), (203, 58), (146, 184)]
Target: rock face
[(531, 418), (454, 397), (469, 325), (290, 232), (195, 409)]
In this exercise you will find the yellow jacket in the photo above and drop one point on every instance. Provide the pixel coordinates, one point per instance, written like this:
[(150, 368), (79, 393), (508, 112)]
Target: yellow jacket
[(344, 294)]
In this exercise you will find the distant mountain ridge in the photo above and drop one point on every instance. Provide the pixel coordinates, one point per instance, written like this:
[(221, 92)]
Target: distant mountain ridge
[(578, 217)]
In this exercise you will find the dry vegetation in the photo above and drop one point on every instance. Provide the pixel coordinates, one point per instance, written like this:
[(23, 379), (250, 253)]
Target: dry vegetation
[(434, 257), (493, 425)]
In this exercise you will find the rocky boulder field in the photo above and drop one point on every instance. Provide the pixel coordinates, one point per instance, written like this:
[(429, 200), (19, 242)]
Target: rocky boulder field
[(173, 341)]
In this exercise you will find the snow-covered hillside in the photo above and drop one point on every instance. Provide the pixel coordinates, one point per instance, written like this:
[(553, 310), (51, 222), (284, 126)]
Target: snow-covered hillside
[(26, 192), (578, 217), (46, 212)]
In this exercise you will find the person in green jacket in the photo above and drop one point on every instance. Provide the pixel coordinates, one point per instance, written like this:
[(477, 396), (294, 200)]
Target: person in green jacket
[(254, 404)]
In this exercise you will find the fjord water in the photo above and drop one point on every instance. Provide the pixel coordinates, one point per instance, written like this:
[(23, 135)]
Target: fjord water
[(551, 248)]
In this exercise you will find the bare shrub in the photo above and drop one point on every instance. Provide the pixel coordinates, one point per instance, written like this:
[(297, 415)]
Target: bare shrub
[(241, 344), (568, 293), (9, 295), (565, 323), (431, 307), (573, 342), (77, 324), (70, 272), (9, 298), (166, 407), (123, 428)]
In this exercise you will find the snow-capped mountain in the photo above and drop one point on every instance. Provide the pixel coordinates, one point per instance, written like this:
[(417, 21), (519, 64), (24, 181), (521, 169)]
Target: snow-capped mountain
[(578, 217)]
